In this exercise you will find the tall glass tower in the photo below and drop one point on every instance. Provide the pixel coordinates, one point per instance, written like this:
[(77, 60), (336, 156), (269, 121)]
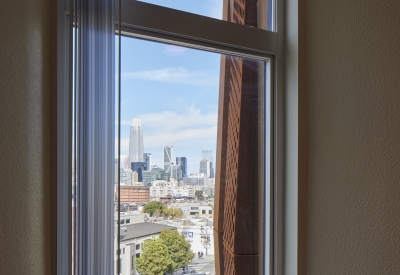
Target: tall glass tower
[(205, 168), (168, 157), (207, 155), (182, 161), (136, 142), (147, 160)]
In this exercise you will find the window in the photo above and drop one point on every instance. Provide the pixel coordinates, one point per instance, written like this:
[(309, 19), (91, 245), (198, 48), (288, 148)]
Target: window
[(203, 211), (248, 86), (209, 211), (245, 114)]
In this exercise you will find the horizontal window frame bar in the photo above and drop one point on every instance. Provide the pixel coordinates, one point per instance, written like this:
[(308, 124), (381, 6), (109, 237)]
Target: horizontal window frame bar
[(196, 31), (162, 38)]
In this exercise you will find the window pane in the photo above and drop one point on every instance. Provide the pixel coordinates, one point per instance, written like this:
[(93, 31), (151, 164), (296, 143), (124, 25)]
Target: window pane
[(210, 8), (254, 13), (171, 165)]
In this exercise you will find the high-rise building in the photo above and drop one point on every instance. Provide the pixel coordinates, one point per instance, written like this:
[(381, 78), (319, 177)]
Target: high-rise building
[(136, 142), (139, 167), (160, 174), (207, 155), (182, 161), (147, 160), (176, 172), (168, 157), (205, 167), (148, 177), (124, 159)]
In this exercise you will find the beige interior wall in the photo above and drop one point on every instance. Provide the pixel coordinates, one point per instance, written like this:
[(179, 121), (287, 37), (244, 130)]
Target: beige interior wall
[(354, 137), (353, 58), (27, 86)]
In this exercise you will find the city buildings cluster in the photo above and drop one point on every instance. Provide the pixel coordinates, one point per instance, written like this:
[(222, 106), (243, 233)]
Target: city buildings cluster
[(139, 175)]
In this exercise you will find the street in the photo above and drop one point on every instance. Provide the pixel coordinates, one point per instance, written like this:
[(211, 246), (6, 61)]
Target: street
[(205, 265)]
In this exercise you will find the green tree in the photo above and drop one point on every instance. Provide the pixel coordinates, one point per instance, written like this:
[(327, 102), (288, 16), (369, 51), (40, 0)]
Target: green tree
[(154, 208), (199, 195), (154, 259), (178, 249), (173, 212), (164, 255)]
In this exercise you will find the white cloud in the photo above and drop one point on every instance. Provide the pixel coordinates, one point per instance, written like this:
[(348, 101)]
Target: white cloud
[(181, 136), (184, 119), (175, 75), (188, 127)]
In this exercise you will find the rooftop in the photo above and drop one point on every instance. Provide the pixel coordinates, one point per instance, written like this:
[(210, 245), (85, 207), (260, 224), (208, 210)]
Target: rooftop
[(143, 229)]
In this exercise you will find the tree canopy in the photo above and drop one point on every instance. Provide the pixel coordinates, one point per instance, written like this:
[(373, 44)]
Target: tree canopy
[(154, 259), (166, 254), (154, 208), (158, 209), (173, 212), (199, 195)]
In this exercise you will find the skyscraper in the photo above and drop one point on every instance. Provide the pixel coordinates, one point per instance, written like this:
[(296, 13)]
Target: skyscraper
[(182, 161), (205, 168), (176, 172), (147, 160), (136, 142), (168, 157), (207, 155), (139, 167)]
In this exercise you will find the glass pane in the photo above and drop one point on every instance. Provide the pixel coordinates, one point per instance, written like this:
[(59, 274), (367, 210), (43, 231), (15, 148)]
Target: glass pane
[(253, 13), (175, 174)]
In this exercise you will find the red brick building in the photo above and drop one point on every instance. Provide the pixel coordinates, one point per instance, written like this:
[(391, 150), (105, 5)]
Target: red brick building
[(134, 194)]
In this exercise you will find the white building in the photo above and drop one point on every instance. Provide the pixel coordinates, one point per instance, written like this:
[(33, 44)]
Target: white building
[(205, 167), (196, 179), (131, 243), (199, 235), (195, 209), (128, 218)]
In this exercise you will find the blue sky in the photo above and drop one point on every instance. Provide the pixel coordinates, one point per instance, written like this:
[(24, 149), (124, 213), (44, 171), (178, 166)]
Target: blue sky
[(210, 8), (174, 91)]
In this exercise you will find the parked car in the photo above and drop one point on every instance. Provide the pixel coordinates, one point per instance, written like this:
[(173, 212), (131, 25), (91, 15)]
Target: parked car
[(189, 272)]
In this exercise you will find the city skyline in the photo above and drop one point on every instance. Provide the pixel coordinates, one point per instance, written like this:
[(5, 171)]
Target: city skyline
[(136, 146), (174, 92)]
